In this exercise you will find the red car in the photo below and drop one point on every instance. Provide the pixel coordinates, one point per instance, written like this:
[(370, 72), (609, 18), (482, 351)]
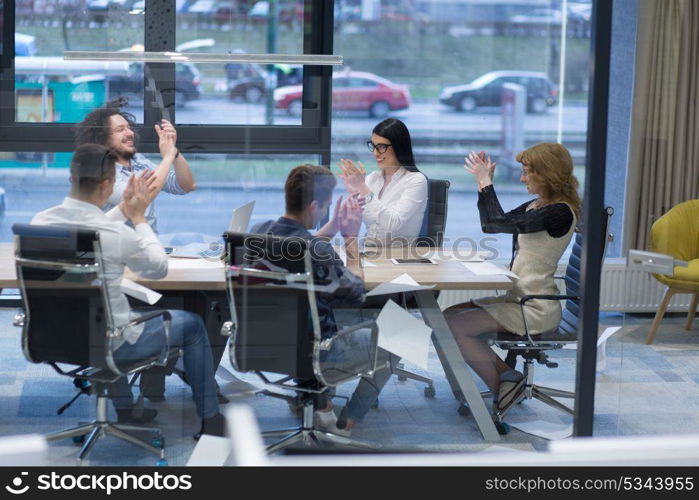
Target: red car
[(352, 90)]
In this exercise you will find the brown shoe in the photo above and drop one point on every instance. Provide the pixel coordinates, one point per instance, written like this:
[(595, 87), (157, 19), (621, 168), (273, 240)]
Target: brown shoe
[(511, 384)]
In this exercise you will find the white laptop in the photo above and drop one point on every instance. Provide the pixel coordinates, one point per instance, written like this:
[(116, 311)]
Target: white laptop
[(240, 220)]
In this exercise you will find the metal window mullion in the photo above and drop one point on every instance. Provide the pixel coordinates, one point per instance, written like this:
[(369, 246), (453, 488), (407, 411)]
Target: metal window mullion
[(7, 65), (160, 35), (593, 203)]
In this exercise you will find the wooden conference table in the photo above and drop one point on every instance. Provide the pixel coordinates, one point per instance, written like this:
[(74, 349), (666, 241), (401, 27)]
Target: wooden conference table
[(192, 275)]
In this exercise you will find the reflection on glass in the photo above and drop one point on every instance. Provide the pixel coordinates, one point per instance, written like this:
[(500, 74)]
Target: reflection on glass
[(242, 93), (31, 182), (49, 89), (452, 61)]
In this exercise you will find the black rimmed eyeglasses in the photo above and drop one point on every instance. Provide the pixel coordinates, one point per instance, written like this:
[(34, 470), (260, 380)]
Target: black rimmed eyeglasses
[(381, 147)]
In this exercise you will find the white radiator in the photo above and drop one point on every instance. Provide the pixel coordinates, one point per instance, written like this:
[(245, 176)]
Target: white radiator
[(622, 290)]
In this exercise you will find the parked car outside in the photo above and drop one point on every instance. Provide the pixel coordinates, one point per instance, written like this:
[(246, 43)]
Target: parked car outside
[(187, 82), (486, 90), (352, 90), (248, 81)]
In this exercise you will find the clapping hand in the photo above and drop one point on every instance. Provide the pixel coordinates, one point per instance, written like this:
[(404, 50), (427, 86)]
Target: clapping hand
[(136, 196), (349, 217), (167, 139), (481, 167), (353, 176)]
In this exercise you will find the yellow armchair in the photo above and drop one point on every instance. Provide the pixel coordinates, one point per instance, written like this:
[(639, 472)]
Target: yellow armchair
[(677, 233)]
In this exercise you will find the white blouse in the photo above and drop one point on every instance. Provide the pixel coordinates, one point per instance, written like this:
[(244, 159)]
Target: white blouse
[(399, 211)]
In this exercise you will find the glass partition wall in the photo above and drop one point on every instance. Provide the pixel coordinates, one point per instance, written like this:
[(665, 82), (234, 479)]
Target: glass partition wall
[(464, 75)]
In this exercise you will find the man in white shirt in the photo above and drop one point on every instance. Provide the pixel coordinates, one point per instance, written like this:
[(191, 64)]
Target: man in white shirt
[(113, 127), (92, 178)]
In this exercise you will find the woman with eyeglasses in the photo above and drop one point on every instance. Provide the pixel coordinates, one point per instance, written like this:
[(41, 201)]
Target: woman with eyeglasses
[(542, 229), (396, 194)]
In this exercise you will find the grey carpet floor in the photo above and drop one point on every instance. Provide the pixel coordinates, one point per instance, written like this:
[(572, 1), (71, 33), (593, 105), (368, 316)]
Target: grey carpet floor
[(642, 390)]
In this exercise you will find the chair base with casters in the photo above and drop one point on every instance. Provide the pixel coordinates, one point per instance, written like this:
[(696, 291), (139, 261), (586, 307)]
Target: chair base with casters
[(517, 345), (669, 293), (307, 433), (91, 432), (404, 375)]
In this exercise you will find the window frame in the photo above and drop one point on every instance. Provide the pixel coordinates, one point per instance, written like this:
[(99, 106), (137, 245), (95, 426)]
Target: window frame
[(312, 136)]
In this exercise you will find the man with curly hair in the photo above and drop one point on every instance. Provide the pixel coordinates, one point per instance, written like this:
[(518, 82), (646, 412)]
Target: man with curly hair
[(113, 127)]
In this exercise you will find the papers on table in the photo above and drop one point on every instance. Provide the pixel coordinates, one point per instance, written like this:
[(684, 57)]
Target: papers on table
[(544, 429), (139, 292), (601, 346), (455, 255), (488, 269), (403, 334), (403, 283)]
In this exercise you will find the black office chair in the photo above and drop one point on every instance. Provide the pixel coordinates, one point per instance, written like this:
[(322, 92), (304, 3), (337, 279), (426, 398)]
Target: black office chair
[(534, 348), (275, 328), (67, 320), (434, 223)]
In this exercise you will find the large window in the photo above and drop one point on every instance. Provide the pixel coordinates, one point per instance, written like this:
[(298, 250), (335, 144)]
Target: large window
[(441, 66)]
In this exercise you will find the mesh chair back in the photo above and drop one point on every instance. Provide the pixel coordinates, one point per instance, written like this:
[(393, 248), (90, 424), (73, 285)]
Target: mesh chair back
[(434, 222), (60, 275), (272, 306)]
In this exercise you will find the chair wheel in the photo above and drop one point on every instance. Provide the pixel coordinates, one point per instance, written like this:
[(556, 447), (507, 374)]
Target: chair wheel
[(430, 392), (161, 463), (464, 411), (79, 439), (502, 428), (402, 378)]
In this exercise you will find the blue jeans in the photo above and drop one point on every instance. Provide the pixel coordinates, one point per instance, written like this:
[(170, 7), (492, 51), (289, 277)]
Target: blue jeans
[(188, 332), (354, 351)]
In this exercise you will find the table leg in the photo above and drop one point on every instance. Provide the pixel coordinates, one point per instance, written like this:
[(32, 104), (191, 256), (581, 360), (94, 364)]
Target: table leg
[(457, 373)]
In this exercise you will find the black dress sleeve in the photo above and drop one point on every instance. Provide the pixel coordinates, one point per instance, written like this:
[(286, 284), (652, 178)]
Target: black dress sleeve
[(555, 218)]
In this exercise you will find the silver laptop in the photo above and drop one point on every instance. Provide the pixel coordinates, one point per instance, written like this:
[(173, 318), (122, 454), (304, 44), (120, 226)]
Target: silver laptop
[(240, 220)]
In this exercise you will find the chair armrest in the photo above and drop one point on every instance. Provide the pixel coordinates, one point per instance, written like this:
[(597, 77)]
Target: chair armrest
[(146, 317), (118, 333), (326, 344), (527, 298)]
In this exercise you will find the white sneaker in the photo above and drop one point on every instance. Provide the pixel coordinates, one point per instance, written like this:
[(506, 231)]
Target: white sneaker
[(327, 421)]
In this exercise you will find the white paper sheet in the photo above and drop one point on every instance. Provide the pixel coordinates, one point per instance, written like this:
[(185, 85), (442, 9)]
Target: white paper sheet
[(455, 256), (488, 269), (403, 334), (403, 283), (210, 451), (601, 346), (175, 263), (544, 429), (232, 385), (139, 292)]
